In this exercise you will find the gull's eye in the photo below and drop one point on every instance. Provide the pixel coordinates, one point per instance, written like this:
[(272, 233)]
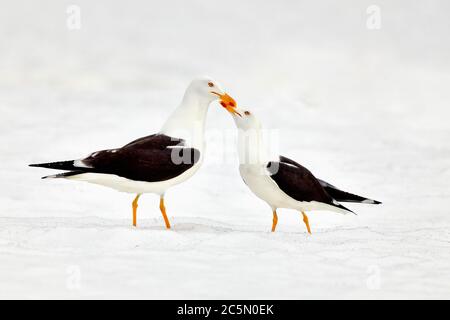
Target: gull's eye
[(210, 84), (247, 113)]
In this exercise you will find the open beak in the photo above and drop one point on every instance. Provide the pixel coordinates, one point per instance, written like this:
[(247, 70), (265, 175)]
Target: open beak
[(228, 103)]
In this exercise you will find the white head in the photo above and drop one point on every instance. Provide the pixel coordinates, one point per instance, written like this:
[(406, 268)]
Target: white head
[(188, 120), (251, 140), (207, 90), (245, 119)]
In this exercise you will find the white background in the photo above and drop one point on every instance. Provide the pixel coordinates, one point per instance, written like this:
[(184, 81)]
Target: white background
[(366, 110)]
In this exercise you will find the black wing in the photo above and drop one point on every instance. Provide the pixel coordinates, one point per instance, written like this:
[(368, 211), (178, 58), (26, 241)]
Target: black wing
[(299, 183), (153, 158)]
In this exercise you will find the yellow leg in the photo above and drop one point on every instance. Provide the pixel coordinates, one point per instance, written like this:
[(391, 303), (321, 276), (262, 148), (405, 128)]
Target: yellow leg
[(163, 211), (306, 221), (135, 205), (275, 220)]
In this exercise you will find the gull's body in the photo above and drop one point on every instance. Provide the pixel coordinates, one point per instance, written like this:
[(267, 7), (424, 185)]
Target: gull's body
[(133, 186), (155, 163), (265, 188), (282, 182)]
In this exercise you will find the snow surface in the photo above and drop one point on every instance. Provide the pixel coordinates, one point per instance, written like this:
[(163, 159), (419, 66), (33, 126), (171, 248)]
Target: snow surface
[(366, 110)]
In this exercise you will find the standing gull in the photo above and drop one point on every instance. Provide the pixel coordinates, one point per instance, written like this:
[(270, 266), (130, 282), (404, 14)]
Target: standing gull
[(283, 183), (157, 162)]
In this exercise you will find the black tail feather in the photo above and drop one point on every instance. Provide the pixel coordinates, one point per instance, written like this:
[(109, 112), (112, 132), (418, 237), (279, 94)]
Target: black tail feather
[(60, 165), (63, 175), (340, 206), (343, 196)]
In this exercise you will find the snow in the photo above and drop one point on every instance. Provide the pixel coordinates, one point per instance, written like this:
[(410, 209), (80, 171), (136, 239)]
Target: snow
[(366, 110)]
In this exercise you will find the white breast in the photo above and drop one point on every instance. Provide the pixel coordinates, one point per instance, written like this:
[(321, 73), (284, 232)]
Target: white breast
[(258, 180)]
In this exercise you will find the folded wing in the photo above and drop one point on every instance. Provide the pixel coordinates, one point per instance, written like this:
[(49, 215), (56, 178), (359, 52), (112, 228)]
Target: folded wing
[(153, 158), (299, 183)]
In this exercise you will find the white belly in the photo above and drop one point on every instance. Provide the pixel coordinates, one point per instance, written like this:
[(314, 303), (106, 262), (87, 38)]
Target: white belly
[(258, 180), (131, 186)]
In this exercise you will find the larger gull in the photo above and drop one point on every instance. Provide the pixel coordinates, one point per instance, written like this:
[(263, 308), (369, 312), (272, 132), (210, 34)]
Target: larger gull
[(154, 163)]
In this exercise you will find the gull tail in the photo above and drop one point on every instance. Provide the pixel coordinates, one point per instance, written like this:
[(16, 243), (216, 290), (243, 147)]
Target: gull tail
[(343, 196), (341, 208), (59, 165), (63, 175)]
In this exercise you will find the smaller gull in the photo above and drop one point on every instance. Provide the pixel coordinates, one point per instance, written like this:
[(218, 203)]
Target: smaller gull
[(283, 183)]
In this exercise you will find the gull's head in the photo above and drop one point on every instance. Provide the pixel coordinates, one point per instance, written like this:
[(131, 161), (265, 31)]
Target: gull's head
[(245, 119), (210, 90)]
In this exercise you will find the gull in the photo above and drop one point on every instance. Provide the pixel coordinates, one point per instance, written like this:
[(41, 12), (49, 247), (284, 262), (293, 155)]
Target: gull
[(282, 182), (154, 163)]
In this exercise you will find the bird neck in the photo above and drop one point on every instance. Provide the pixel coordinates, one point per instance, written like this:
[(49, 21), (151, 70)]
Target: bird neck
[(187, 122), (251, 147)]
